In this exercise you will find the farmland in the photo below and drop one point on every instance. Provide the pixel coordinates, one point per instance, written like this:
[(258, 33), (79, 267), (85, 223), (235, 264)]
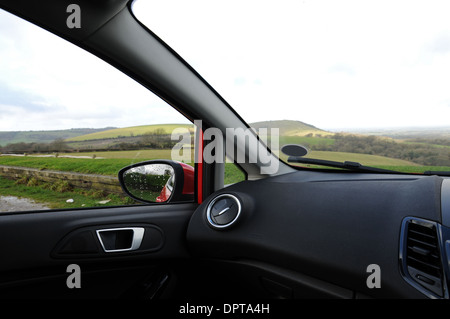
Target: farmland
[(106, 151), (160, 129), (119, 147), (59, 197), (103, 166), (43, 136)]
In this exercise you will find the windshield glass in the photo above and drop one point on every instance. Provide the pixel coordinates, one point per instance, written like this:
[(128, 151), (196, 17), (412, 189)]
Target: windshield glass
[(362, 81)]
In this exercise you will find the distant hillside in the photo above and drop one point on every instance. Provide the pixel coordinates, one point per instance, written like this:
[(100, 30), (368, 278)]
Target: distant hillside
[(131, 132), (287, 128), (408, 132), (290, 128), (44, 136)]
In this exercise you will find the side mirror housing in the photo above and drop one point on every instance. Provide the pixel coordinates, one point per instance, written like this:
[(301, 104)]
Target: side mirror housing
[(158, 181)]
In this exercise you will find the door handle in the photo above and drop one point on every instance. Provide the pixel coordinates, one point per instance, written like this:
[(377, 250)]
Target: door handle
[(120, 239)]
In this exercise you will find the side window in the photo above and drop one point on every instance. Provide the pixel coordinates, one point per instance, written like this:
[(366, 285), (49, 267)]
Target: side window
[(69, 122), (233, 173)]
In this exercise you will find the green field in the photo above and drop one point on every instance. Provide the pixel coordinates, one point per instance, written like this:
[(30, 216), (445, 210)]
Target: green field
[(114, 161), (305, 140), (289, 128), (85, 166), (372, 160), (55, 196), (103, 163), (110, 162), (365, 159), (42, 136), (57, 199), (140, 155), (131, 131), (110, 165)]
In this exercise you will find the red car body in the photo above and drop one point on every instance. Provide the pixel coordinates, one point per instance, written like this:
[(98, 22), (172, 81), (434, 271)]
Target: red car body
[(188, 185)]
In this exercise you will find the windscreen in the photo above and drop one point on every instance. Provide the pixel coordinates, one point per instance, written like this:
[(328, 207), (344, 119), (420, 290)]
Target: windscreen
[(362, 81)]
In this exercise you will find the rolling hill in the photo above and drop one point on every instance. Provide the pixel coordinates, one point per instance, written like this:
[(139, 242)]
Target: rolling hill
[(44, 136), (130, 132), (286, 127), (323, 144), (290, 128)]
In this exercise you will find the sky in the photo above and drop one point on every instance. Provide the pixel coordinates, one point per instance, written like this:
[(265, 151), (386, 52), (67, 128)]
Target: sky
[(47, 83), (333, 64)]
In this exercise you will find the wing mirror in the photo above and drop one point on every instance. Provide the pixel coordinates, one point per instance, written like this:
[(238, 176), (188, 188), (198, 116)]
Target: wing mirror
[(294, 150), (158, 181)]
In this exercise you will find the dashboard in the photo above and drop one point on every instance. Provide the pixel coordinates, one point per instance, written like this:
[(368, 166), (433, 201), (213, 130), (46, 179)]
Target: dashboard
[(322, 234)]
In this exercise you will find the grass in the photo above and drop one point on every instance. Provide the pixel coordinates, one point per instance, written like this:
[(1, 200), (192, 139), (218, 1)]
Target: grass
[(130, 131), (426, 144), (85, 166), (114, 161), (233, 174), (110, 165), (141, 155), (56, 197), (365, 159), (290, 128), (372, 160), (102, 163), (302, 140)]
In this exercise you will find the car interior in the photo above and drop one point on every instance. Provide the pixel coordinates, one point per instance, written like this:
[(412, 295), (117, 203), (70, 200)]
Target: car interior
[(291, 234)]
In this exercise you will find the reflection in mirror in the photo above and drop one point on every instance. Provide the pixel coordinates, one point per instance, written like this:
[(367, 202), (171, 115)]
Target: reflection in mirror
[(151, 182)]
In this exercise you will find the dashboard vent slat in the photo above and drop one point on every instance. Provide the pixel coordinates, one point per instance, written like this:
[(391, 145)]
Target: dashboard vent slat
[(422, 256)]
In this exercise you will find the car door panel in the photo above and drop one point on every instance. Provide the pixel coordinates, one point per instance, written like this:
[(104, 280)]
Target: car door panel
[(37, 248)]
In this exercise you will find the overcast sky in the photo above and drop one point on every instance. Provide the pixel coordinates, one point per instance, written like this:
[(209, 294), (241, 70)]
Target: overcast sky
[(333, 64), (329, 63), (47, 83)]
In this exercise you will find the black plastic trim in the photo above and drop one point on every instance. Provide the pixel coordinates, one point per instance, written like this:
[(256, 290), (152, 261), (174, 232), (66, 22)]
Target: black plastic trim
[(407, 271)]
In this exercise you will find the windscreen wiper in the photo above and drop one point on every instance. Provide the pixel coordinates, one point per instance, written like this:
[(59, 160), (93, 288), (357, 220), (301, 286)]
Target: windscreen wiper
[(296, 153), (354, 166)]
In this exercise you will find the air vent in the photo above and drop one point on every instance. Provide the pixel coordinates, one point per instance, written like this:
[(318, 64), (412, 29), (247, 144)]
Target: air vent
[(422, 260), (223, 211)]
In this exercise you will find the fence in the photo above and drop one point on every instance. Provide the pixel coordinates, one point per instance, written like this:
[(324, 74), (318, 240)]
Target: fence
[(108, 184)]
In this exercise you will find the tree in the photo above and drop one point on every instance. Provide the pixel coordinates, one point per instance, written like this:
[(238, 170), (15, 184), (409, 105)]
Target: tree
[(59, 145)]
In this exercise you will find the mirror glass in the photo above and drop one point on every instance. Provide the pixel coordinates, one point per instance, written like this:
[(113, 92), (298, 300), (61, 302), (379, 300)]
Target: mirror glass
[(294, 150), (150, 182)]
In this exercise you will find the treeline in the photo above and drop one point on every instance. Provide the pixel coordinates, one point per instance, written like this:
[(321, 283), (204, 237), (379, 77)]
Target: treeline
[(424, 152), (41, 137), (153, 140), (58, 145), (146, 141), (157, 139), (429, 152), (433, 141)]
